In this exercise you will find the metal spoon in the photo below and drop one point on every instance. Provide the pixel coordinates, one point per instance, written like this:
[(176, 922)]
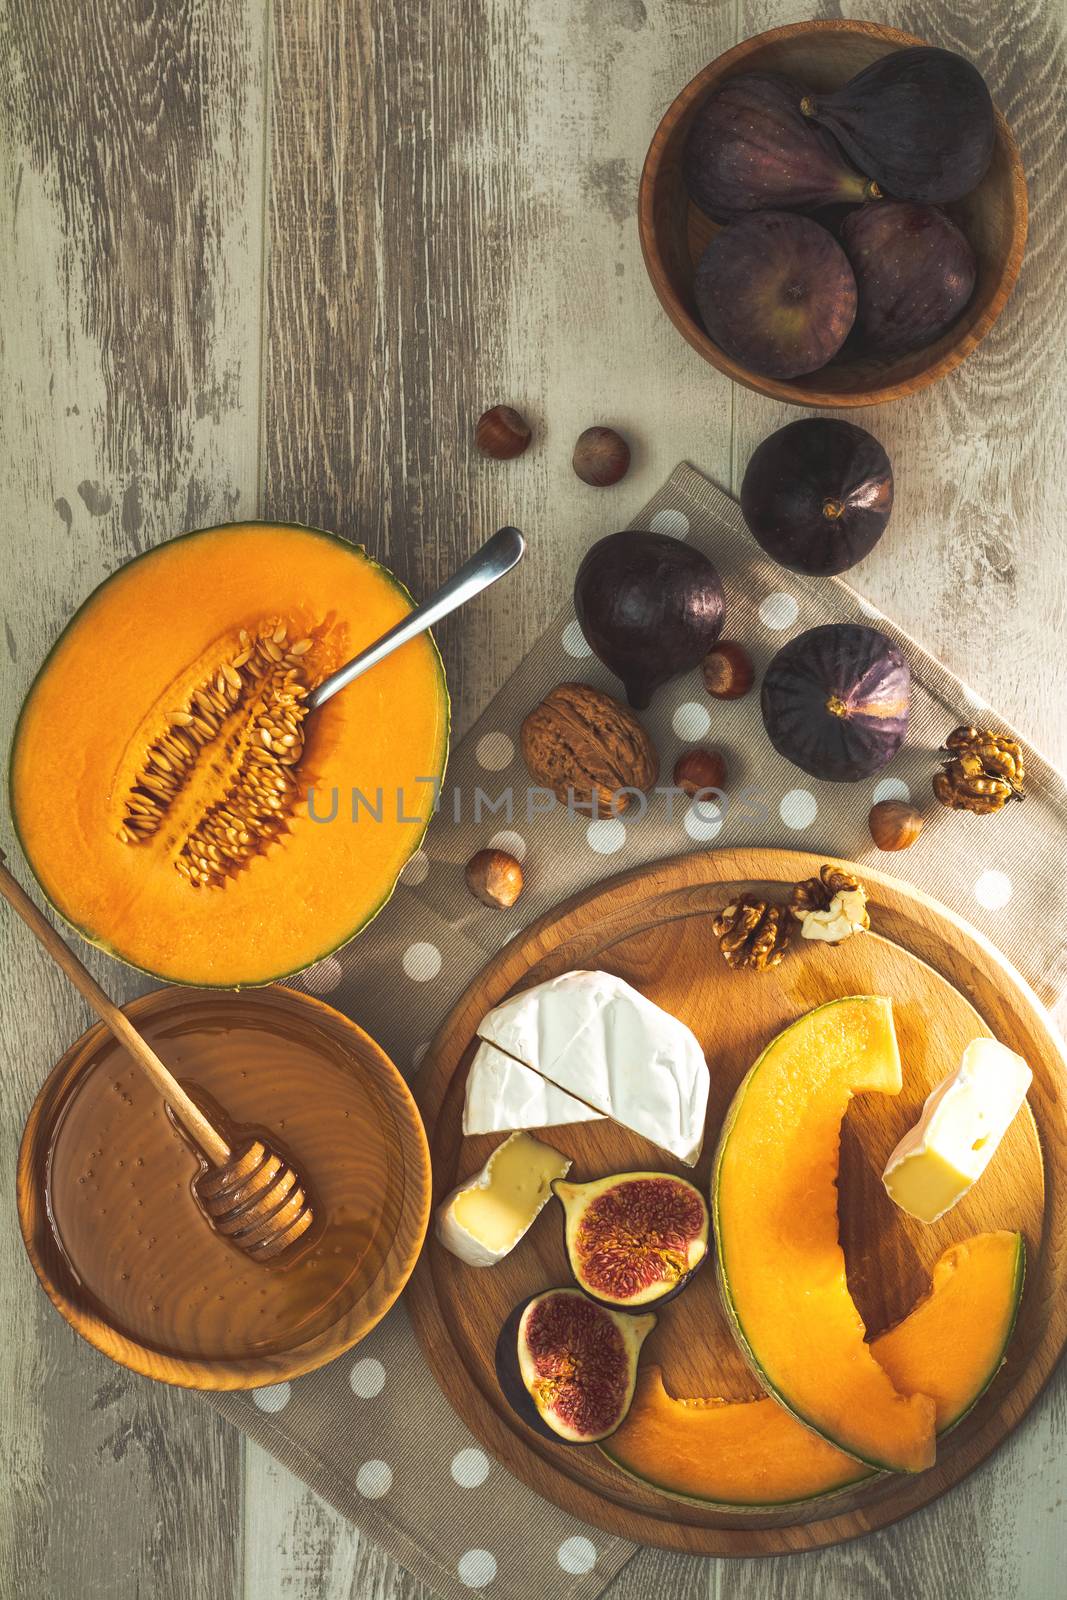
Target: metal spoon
[(497, 556)]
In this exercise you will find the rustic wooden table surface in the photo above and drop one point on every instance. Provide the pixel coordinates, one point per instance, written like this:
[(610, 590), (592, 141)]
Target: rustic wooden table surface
[(272, 261)]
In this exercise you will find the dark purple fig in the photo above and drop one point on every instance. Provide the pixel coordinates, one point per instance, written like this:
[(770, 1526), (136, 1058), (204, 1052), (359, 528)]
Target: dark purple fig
[(817, 495), (750, 148), (920, 121), (650, 607), (915, 273), (633, 1239), (568, 1366), (835, 701), (776, 293)]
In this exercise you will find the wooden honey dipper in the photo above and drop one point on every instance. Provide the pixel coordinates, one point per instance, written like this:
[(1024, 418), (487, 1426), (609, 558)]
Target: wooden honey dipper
[(251, 1196)]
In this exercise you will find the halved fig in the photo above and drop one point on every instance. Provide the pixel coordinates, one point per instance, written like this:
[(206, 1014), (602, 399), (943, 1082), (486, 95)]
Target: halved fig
[(568, 1366), (633, 1239)]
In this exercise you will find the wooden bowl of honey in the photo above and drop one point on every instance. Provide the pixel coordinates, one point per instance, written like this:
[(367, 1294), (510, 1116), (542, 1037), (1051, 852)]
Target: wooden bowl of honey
[(119, 1240)]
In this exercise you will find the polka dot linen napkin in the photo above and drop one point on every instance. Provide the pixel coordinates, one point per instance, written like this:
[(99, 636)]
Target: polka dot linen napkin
[(372, 1433)]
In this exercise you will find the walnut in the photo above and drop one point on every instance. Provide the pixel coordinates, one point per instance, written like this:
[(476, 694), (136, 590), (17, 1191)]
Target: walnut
[(831, 907), (753, 933), (982, 772), (586, 747)]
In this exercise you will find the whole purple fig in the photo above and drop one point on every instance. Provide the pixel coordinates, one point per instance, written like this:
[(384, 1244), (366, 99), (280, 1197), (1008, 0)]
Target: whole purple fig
[(750, 148), (649, 606), (915, 273)]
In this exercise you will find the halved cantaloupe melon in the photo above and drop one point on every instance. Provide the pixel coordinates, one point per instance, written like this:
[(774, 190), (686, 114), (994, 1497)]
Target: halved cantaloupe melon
[(162, 763), (781, 1266), (754, 1453)]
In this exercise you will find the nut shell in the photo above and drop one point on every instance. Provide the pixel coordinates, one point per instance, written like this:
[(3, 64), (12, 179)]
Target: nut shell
[(698, 770), (601, 457), (494, 877), (728, 670), (894, 824), (502, 433), (585, 747)]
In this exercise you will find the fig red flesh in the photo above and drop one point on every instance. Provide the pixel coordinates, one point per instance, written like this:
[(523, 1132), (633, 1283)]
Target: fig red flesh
[(568, 1366), (639, 1234), (633, 1238), (582, 1367)]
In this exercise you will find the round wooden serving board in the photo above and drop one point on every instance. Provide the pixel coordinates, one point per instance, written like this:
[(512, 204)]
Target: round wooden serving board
[(653, 928)]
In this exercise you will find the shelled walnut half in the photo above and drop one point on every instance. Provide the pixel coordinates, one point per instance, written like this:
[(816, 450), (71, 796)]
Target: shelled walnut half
[(753, 933), (831, 907), (982, 771)]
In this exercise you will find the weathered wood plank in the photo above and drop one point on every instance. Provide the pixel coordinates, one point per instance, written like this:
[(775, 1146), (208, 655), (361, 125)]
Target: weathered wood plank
[(130, 248), (452, 193), (298, 1547)]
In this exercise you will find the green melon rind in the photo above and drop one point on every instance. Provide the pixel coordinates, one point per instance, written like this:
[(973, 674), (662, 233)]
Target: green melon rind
[(720, 1265), (1018, 1283), (442, 756), (754, 1507)]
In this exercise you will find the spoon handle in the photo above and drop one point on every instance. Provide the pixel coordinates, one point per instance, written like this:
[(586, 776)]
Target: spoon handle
[(206, 1135), (497, 556)]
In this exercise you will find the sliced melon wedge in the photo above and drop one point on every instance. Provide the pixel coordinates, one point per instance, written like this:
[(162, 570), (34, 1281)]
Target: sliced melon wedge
[(754, 1453), (781, 1266)]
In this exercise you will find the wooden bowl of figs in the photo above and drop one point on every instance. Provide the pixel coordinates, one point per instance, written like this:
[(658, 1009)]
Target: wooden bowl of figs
[(834, 213)]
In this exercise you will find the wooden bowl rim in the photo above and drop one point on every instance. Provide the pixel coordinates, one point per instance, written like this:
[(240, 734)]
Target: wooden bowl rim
[(774, 388), (247, 1372)]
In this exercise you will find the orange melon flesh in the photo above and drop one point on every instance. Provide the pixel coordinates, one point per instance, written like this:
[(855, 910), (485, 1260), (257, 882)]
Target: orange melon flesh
[(781, 1266), (133, 653), (755, 1453)]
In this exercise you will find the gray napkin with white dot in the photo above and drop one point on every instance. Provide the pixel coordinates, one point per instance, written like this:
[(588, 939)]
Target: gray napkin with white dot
[(372, 1433)]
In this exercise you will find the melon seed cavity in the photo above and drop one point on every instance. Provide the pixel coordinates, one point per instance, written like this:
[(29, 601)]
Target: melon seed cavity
[(245, 721)]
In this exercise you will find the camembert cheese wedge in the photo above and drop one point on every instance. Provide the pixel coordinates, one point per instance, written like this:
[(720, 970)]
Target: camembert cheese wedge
[(963, 1122), (601, 1041), (485, 1217), (502, 1093)]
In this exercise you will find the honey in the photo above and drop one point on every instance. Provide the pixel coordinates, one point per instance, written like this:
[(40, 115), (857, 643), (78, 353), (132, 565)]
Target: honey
[(128, 1238)]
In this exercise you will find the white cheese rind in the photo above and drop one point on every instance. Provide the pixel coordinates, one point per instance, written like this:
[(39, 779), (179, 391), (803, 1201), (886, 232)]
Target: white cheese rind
[(502, 1094), (962, 1123), (592, 1034), (466, 1245)]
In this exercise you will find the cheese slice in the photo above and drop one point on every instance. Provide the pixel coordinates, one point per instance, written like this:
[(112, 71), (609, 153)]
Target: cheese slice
[(502, 1094), (592, 1035), (955, 1139), (484, 1219)]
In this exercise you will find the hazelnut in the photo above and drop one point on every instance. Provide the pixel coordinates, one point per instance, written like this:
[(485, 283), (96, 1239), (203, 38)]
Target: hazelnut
[(601, 457), (502, 433), (698, 770), (894, 824), (728, 671), (494, 877)]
